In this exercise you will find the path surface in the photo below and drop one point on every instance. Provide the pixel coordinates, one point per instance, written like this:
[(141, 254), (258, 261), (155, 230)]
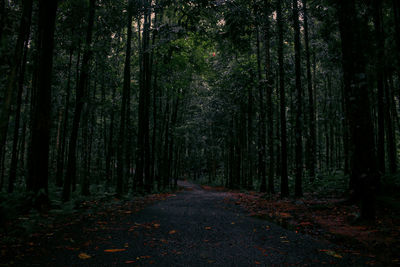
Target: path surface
[(194, 228)]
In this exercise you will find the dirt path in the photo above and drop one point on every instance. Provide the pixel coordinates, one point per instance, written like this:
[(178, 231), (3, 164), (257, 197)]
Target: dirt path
[(193, 228)]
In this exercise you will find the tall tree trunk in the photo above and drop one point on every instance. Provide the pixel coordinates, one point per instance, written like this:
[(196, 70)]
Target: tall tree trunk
[(379, 65), (166, 147), (41, 117), (125, 94), (284, 166), (261, 128), (80, 95), (299, 103), (269, 83), (2, 18), (390, 113), (248, 183), (396, 13), (345, 127), (311, 138), (147, 88), (110, 150), (143, 147), (364, 178)]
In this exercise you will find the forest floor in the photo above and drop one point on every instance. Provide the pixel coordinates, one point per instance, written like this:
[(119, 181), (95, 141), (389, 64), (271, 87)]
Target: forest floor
[(194, 227)]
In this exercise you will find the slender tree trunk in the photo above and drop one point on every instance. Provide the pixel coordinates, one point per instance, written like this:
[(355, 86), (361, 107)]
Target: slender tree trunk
[(147, 88), (85, 173), (396, 13), (311, 138), (284, 172), (166, 147), (379, 64), (125, 94), (41, 117), (261, 129), (248, 183), (270, 115), (110, 151), (2, 18), (390, 113), (345, 127), (80, 95), (299, 103)]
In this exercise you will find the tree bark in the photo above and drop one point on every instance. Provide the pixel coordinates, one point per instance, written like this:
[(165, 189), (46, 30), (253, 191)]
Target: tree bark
[(299, 103), (261, 128), (396, 13), (125, 94), (390, 132), (284, 172), (311, 140), (379, 65), (41, 122)]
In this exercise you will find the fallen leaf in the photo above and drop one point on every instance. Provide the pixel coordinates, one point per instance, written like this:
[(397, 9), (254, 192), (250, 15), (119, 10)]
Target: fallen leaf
[(172, 232), (207, 228), (145, 257), (84, 256), (156, 225), (129, 262), (285, 215), (232, 222), (114, 250), (332, 253), (257, 262)]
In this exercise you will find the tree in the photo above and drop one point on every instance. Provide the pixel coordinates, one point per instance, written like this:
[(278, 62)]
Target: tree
[(299, 103), (124, 109), (284, 171), (311, 138), (38, 173)]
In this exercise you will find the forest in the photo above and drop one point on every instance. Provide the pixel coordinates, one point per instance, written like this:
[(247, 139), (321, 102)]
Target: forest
[(103, 99)]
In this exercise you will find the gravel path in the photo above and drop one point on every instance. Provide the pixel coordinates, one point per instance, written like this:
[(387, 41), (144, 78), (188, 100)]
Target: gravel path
[(194, 228)]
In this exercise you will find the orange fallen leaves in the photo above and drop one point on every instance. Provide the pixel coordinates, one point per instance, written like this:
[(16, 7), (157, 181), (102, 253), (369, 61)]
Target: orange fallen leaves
[(207, 228), (331, 253), (172, 232), (84, 256), (114, 250)]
